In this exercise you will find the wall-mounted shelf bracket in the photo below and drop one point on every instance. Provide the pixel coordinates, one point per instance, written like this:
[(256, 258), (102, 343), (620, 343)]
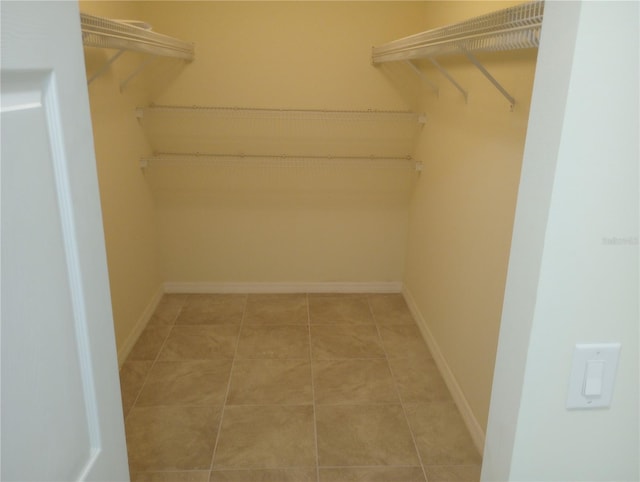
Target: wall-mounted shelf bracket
[(105, 66), (139, 69), (448, 76), (492, 79), (423, 77)]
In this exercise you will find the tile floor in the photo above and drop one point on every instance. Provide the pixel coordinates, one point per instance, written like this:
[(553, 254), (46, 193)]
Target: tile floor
[(300, 388)]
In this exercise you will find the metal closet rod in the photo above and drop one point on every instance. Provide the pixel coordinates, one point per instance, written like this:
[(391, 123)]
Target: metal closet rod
[(409, 115)]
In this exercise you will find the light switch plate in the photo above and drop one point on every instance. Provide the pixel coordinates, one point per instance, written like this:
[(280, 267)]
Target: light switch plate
[(608, 354)]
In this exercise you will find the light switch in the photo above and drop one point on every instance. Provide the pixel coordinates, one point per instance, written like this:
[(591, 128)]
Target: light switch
[(593, 378), (592, 375)]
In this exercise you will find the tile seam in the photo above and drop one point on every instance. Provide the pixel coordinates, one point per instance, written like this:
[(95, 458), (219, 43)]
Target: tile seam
[(226, 397), (397, 390), (153, 362), (313, 391)]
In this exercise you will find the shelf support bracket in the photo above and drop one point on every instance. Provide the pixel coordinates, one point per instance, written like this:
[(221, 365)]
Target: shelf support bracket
[(105, 66), (131, 76), (450, 79), (423, 77), (492, 79)]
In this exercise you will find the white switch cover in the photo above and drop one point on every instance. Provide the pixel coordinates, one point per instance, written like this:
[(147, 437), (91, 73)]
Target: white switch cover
[(592, 375)]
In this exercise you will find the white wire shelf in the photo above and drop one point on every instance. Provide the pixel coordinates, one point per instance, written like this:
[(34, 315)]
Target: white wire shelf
[(512, 28), (299, 114), (268, 132), (284, 161), (130, 35)]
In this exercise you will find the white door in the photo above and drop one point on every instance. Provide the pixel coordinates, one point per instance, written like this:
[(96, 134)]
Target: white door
[(61, 412)]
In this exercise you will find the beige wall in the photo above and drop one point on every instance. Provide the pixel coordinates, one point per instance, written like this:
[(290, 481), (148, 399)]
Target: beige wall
[(127, 205), (462, 209), (282, 224)]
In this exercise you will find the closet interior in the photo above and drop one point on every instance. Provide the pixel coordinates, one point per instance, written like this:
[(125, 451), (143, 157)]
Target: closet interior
[(316, 147)]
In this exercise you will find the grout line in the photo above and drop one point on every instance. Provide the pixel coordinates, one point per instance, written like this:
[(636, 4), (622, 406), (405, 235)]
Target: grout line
[(153, 362), (317, 360), (370, 466), (226, 396), (238, 468), (313, 392), (373, 466), (290, 467), (279, 404), (395, 386), (266, 358), (360, 402)]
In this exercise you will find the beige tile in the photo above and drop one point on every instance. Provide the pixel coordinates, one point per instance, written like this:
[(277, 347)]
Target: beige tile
[(390, 309), (150, 342), (132, 377), (277, 308), (418, 380), (186, 383), (352, 309), (171, 438), (345, 341), (455, 473), (401, 341), (168, 309), (372, 474), (266, 436), (441, 435), (270, 382), (212, 309), (353, 381), (361, 435), (204, 342), (265, 475), (274, 341), (190, 476)]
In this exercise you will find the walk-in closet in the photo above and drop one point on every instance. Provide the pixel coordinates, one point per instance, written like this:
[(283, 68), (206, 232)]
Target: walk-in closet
[(308, 208), (336, 235)]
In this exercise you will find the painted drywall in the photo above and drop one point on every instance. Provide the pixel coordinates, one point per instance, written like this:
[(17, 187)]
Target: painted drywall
[(283, 224), (127, 204), (573, 274), (461, 212)]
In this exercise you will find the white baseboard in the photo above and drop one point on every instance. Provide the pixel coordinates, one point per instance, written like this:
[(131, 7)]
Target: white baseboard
[(294, 287), (477, 434), (140, 325)]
